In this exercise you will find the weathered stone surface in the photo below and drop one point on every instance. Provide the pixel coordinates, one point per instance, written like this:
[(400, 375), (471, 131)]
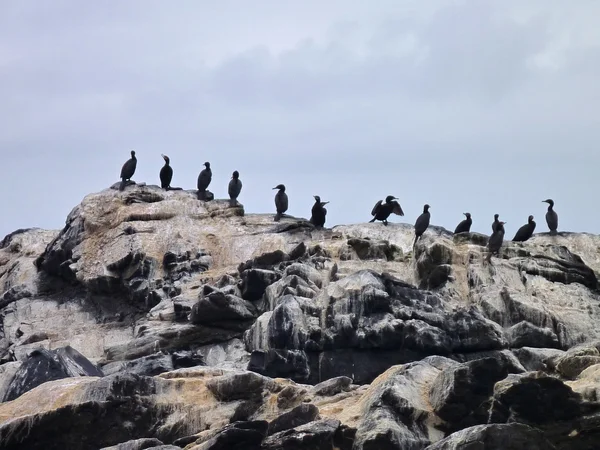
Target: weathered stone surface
[(513, 436), (147, 281), (237, 436), (42, 366), (136, 444), (298, 416), (312, 436)]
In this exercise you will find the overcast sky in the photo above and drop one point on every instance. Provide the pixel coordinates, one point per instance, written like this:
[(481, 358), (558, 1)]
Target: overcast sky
[(480, 106)]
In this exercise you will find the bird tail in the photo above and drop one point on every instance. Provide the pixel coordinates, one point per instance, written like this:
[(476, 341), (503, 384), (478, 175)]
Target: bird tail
[(122, 185), (277, 217), (372, 220)]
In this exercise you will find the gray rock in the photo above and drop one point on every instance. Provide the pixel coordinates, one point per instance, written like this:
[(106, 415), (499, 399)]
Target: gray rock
[(332, 386), (237, 436), (218, 308), (311, 436), (525, 334), (298, 416), (536, 359), (136, 444), (237, 386), (146, 365), (513, 436)]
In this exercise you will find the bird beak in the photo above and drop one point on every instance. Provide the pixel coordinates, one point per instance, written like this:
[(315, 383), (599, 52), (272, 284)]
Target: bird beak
[(324, 203), (464, 214), (275, 188)]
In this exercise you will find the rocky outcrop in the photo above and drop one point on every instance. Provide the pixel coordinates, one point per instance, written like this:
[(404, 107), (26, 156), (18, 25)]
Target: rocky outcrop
[(204, 327)]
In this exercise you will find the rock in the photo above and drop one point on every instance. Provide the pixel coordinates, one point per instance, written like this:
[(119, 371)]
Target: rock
[(311, 436), (290, 396), (146, 365), (228, 355), (136, 444), (218, 308), (513, 436), (281, 363), (536, 359), (298, 416), (332, 386), (534, 398), (42, 366), (7, 374), (256, 281), (367, 249), (525, 334), (462, 390), (577, 360), (236, 386), (237, 436)]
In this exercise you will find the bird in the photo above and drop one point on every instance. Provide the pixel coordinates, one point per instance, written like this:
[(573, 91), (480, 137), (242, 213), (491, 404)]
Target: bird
[(235, 187), (166, 173), (526, 231), (422, 223), (381, 211), (318, 212), (128, 170), (281, 201), (204, 180), (495, 223), (465, 225), (495, 241), (551, 217)]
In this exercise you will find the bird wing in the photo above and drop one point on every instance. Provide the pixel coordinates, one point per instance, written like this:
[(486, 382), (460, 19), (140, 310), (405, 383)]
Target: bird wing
[(397, 209), (204, 179), (376, 207)]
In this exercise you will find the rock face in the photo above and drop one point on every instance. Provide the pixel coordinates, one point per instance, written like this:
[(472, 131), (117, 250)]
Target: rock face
[(155, 320)]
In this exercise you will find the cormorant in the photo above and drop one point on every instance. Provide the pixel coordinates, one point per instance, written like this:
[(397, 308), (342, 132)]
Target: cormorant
[(281, 201), (526, 231), (128, 170), (204, 180), (166, 174), (318, 212), (381, 211), (465, 225), (495, 223), (422, 223), (235, 187), (495, 241), (551, 217)]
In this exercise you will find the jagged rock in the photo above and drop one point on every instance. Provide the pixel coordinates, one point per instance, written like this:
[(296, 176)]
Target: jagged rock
[(298, 416), (397, 411), (290, 396), (218, 308), (256, 281), (577, 360), (237, 436), (136, 444), (238, 386), (281, 363), (534, 398), (42, 366), (538, 359), (228, 355), (458, 395), (525, 334), (7, 374), (146, 365), (368, 249), (332, 386), (513, 436), (434, 264), (311, 436)]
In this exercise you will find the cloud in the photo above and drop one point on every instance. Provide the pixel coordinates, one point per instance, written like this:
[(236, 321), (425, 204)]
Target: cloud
[(486, 106)]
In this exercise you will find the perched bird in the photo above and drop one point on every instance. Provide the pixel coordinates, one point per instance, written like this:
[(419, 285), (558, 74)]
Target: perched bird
[(235, 187), (318, 212), (551, 217), (495, 241), (495, 223), (381, 211), (526, 231), (281, 201), (128, 170), (465, 225), (204, 180), (166, 173), (422, 223)]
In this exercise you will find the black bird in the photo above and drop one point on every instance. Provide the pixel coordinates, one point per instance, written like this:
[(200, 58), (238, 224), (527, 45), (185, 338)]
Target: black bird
[(128, 170), (495, 223), (381, 211), (318, 212), (235, 187), (204, 180), (526, 231), (465, 225), (551, 217), (495, 241), (281, 201), (166, 174), (422, 223)]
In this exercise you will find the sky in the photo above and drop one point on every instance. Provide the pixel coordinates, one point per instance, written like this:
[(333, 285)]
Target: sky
[(485, 106)]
